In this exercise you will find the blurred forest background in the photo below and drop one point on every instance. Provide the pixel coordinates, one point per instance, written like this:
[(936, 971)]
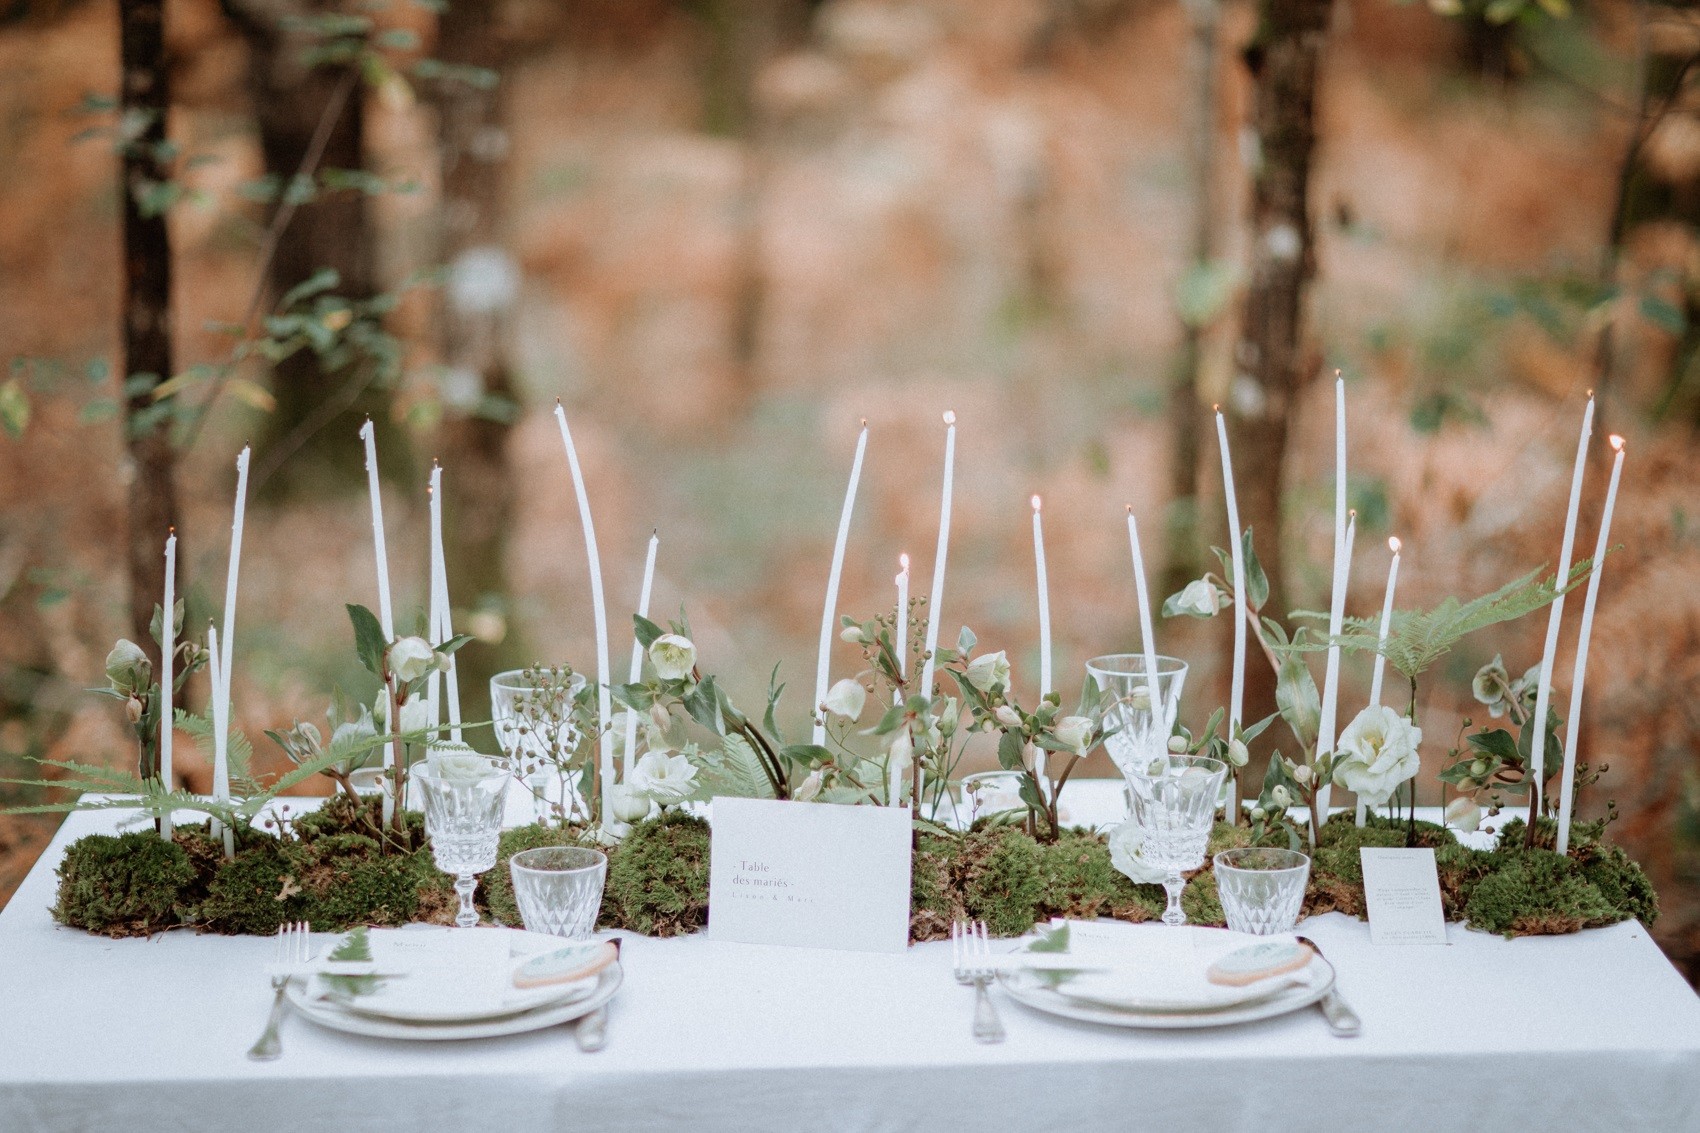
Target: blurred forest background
[(722, 231)]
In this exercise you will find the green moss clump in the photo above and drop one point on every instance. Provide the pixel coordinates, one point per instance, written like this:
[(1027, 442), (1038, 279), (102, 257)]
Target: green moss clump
[(658, 878), (123, 885), (1536, 893), (1002, 879), (1619, 879), (497, 886), (345, 880), (935, 903), (1201, 902), (1080, 880), (1460, 869), (1224, 836), (251, 894)]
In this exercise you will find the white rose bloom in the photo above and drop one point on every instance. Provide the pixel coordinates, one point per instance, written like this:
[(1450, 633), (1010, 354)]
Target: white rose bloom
[(1377, 752), (1075, 731), (1125, 842), (665, 778), (411, 658), (1200, 599), (1463, 814), (627, 804), (673, 656), (989, 672), (847, 699), (809, 788), (1007, 716)]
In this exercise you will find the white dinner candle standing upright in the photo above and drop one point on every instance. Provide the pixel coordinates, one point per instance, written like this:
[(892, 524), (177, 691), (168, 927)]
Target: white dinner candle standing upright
[(829, 610), (1543, 694), (1326, 732), (894, 794), (443, 622), (386, 616), (1236, 698), (637, 646), (220, 709), (935, 596), (1147, 635), (604, 701), (1381, 642), (227, 639), (168, 646), (434, 619), (1572, 725), (1044, 587)]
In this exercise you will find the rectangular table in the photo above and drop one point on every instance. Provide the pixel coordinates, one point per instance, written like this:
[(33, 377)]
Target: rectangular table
[(1592, 1031)]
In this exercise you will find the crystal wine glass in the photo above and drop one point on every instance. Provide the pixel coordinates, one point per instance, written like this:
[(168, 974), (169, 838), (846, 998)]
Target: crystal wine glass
[(1139, 724), (463, 816), (532, 712), (1174, 802)]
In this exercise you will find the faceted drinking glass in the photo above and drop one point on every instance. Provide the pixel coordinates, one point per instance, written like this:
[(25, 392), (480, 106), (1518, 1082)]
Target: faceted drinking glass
[(1261, 888), (1174, 801), (463, 816), (1139, 724), (559, 889), (532, 713)]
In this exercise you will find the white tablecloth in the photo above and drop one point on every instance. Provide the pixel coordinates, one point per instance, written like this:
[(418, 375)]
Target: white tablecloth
[(1593, 1031)]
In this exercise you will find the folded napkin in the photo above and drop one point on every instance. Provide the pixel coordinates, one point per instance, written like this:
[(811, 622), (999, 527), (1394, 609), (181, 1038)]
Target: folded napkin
[(1159, 968)]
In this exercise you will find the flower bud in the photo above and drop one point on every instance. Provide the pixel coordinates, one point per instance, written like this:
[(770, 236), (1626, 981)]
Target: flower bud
[(1007, 716), (1301, 774), (1280, 796), (1177, 744), (133, 709), (410, 658), (1239, 755), (1258, 814), (1479, 768)]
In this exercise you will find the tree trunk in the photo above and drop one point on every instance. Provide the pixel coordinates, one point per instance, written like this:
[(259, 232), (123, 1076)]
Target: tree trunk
[(146, 309), (1185, 421), (1272, 363), (290, 99)]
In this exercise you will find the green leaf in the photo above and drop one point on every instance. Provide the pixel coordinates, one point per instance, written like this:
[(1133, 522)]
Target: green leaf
[(320, 281), (965, 641), (734, 770), (805, 753), (455, 643), (774, 690), (1050, 939), (1553, 758), (1010, 748), (1499, 744), (14, 408), (1658, 311), (646, 630), (369, 641), (1256, 581), (1298, 701)]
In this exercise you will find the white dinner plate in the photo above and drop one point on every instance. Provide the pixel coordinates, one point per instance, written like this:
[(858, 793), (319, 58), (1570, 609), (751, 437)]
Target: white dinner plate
[(328, 1014), (1029, 988)]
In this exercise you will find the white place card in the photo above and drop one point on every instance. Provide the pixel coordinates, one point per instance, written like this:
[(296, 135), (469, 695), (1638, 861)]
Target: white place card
[(1402, 896), (810, 875)]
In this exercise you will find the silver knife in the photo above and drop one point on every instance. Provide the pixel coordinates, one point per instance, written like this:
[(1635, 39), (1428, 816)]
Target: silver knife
[(591, 1031), (1341, 1019)]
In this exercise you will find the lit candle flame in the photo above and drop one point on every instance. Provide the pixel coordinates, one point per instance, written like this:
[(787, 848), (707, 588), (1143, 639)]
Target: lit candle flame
[(1617, 442), (1393, 544), (903, 561), (1036, 503), (950, 416)]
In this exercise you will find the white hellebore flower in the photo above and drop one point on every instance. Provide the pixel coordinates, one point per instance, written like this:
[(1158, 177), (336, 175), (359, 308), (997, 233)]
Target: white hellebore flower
[(416, 715), (462, 764), (1076, 732), (410, 658), (628, 805), (673, 656), (1377, 752), (1125, 843), (902, 753), (1007, 716), (847, 698), (809, 788), (1200, 599), (988, 672), (667, 779), (1463, 814)]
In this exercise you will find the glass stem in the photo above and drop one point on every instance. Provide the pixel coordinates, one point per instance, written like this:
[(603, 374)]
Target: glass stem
[(465, 883), (1172, 885)]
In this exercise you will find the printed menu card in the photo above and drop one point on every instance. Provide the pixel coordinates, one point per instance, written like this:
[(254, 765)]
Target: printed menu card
[(1402, 893)]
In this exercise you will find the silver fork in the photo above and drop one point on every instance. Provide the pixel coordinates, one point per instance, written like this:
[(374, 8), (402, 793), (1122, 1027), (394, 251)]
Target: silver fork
[(971, 961), (293, 947)]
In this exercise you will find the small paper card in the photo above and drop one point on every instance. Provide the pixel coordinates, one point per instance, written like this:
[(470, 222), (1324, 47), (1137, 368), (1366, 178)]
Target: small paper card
[(810, 875), (1402, 894)]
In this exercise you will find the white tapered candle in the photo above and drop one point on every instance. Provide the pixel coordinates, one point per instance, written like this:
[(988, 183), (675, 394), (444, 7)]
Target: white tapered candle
[(227, 639), (1147, 634), (829, 610), (1393, 545), (604, 702), (637, 646), (386, 615), (895, 792), (221, 737), (433, 493), (168, 646), (1044, 587), (935, 596), (1543, 694), (1572, 725), (1327, 727), (1236, 543)]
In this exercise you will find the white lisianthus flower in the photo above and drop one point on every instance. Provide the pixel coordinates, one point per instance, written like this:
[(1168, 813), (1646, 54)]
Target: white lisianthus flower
[(809, 789), (627, 804), (1200, 599), (411, 658), (1075, 731), (847, 698), (989, 672), (1377, 752), (1007, 716), (1463, 814), (667, 779), (1125, 842), (673, 656)]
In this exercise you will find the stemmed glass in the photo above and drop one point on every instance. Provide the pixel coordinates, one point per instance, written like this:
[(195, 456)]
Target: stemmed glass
[(463, 816), (1139, 724), (1174, 801), (532, 710)]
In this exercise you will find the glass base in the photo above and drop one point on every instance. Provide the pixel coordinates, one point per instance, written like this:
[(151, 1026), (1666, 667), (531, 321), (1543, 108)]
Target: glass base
[(1172, 885)]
